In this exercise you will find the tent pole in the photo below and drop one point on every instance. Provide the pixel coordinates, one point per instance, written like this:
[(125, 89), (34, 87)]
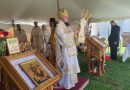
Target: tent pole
[(13, 25), (108, 37), (58, 5), (120, 43)]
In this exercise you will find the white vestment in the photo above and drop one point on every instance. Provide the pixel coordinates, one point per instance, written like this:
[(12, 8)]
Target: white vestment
[(127, 53), (36, 39), (47, 34), (81, 36), (66, 55)]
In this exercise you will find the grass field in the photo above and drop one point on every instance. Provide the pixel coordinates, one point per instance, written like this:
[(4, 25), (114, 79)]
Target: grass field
[(116, 77)]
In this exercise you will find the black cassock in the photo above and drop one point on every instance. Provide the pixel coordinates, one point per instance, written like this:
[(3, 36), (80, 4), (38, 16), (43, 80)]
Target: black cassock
[(114, 40)]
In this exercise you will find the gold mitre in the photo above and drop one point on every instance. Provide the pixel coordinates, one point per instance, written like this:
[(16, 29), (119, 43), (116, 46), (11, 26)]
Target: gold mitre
[(62, 13)]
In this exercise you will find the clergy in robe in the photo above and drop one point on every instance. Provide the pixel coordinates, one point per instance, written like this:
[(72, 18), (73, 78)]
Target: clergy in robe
[(47, 34), (52, 42), (20, 34), (66, 52), (22, 38), (37, 41)]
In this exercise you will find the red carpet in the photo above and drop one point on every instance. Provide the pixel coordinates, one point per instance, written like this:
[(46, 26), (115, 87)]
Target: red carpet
[(82, 83)]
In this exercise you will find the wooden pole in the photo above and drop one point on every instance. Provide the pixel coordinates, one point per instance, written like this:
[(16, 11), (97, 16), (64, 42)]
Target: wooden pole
[(58, 5), (13, 25), (108, 37)]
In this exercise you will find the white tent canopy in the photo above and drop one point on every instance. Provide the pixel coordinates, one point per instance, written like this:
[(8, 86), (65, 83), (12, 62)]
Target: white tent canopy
[(42, 10)]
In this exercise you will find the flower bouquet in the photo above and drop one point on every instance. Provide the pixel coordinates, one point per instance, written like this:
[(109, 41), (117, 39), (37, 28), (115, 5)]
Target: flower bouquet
[(3, 35)]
